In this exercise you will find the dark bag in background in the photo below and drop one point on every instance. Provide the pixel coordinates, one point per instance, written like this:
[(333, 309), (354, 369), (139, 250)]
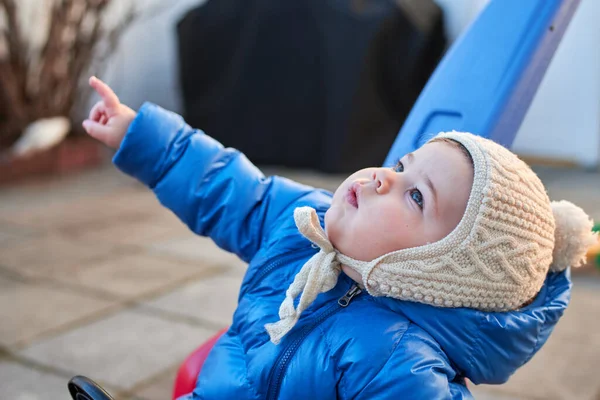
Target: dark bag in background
[(322, 84)]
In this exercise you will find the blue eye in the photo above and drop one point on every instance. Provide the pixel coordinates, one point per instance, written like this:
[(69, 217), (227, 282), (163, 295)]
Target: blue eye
[(415, 194), (417, 197)]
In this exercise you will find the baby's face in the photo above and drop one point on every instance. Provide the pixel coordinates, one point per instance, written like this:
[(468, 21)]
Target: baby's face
[(421, 200)]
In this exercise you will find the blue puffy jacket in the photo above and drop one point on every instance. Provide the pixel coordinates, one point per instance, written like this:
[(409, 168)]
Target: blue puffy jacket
[(373, 348)]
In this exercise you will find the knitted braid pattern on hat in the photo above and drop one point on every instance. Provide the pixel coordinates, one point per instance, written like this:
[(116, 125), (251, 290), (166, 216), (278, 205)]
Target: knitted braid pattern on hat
[(496, 259)]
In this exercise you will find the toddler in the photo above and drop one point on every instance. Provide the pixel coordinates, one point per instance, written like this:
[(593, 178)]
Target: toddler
[(452, 264)]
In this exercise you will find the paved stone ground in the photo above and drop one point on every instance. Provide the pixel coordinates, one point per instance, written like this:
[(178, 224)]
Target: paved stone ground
[(97, 279)]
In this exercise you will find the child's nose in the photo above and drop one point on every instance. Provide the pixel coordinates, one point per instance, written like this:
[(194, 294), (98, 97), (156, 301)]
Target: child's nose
[(383, 178)]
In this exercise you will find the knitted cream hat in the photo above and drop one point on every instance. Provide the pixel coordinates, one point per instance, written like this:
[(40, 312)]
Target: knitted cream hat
[(496, 259)]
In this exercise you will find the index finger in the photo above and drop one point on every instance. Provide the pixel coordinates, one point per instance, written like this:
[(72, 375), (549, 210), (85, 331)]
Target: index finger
[(110, 98)]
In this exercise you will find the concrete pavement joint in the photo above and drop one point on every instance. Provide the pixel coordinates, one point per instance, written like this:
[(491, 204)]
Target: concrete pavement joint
[(86, 291), (5, 353), (114, 251), (21, 230), (176, 317), (56, 371), (140, 385), (505, 394), (72, 325), (207, 273), (10, 356), (121, 304), (71, 231), (13, 275)]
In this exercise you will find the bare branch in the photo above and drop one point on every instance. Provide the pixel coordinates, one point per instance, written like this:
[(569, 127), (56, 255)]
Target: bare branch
[(13, 71), (101, 55), (14, 39), (78, 40)]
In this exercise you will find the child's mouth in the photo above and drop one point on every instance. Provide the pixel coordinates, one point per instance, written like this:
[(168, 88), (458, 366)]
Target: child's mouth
[(352, 196)]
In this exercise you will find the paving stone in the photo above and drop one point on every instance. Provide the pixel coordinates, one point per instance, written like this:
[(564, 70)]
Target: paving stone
[(161, 387), (61, 188), (7, 238), (7, 283), (124, 217), (11, 235), (576, 323), (197, 248), (562, 369), (29, 311), (130, 199), (85, 211), (576, 185), (237, 271), (213, 299), (480, 393), (120, 350), (134, 275), (18, 382), (42, 256), (141, 232), (315, 179)]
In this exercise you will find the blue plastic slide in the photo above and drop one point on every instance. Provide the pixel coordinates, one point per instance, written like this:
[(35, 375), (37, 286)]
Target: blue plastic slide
[(487, 79)]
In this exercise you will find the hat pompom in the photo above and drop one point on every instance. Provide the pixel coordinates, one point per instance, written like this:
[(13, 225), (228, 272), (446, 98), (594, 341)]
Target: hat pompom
[(573, 235)]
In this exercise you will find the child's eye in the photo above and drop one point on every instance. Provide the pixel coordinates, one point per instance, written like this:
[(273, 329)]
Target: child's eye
[(399, 167), (417, 197)]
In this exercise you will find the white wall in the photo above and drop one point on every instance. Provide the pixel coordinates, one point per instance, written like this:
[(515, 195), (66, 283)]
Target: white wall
[(145, 65), (562, 123), (458, 14)]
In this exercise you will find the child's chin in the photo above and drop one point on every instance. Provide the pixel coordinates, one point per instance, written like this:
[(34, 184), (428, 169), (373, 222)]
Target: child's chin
[(352, 274)]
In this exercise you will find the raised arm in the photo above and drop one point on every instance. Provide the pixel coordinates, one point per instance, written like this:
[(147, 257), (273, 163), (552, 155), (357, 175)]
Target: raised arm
[(216, 191)]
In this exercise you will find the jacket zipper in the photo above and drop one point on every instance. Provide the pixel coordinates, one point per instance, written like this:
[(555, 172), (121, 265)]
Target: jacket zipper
[(350, 294), (278, 370)]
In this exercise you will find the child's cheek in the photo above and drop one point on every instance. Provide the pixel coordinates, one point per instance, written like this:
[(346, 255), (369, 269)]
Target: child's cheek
[(333, 224)]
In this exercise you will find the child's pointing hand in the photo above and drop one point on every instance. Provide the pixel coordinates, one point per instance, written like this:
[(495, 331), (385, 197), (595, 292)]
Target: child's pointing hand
[(109, 119)]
